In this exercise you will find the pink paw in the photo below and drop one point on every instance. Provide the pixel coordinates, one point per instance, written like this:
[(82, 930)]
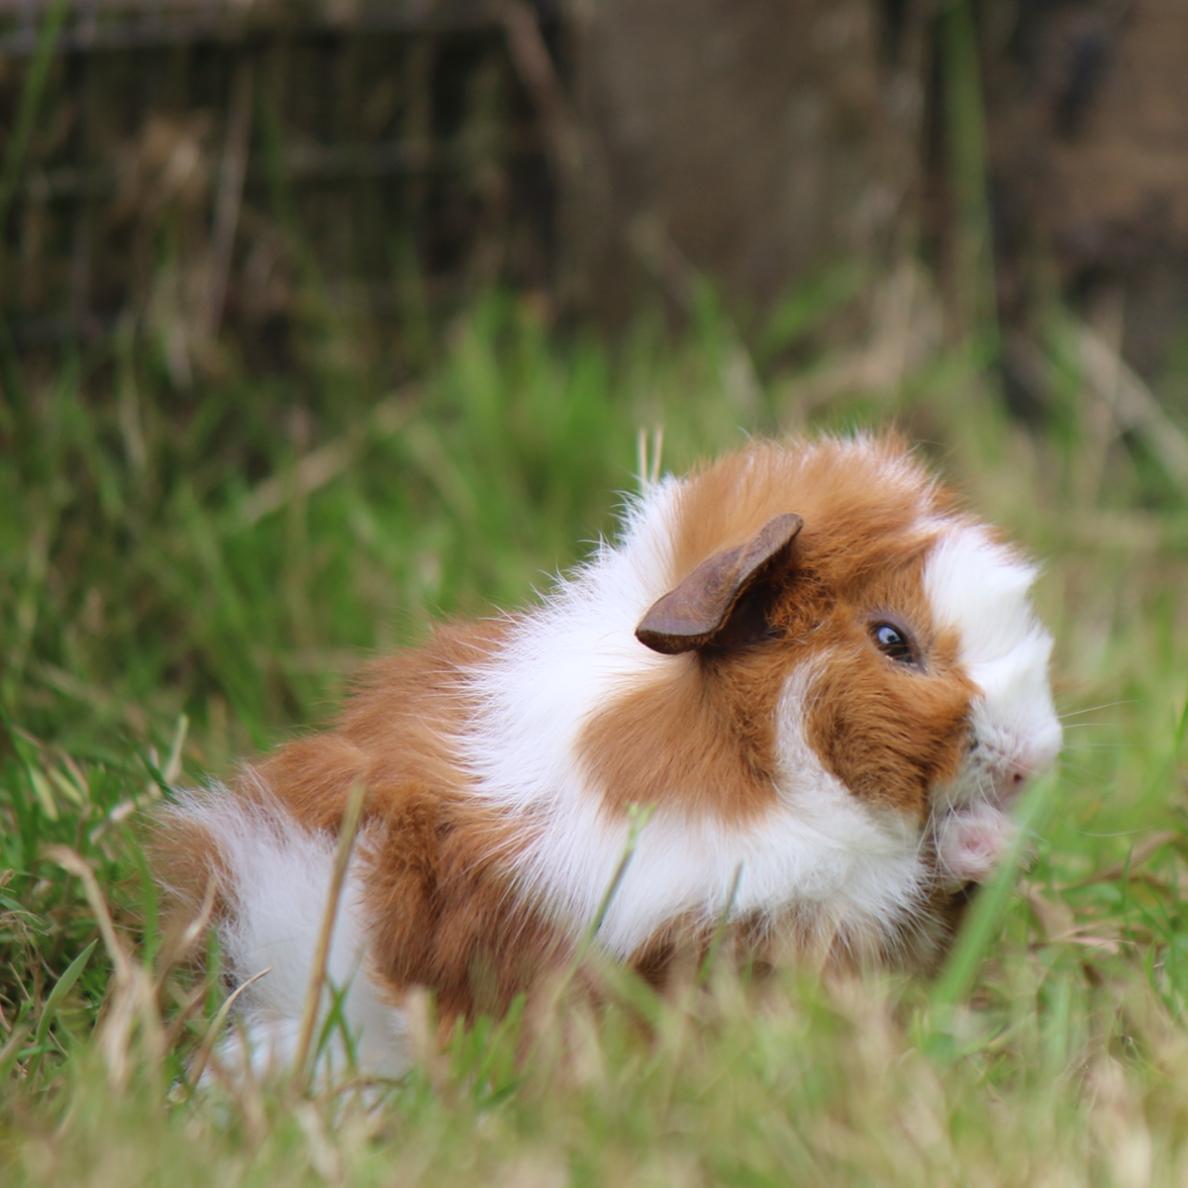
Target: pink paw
[(970, 842)]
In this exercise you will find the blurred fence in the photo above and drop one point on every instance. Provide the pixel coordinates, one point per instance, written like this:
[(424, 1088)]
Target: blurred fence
[(203, 167), (196, 163)]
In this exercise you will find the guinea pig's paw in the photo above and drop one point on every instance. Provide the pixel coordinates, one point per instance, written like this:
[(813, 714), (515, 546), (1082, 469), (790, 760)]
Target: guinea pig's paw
[(971, 842)]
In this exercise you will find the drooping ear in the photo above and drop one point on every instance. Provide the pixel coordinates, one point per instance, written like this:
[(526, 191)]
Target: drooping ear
[(698, 612)]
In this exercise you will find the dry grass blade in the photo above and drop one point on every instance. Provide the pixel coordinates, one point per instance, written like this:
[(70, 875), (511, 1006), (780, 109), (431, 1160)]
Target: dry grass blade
[(71, 862), (317, 978), (152, 790), (649, 448), (536, 69), (1146, 849), (1054, 917), (133, 996), (185, 1007), (322, 466), (199, 1063), (181, 943), (1133, 403)]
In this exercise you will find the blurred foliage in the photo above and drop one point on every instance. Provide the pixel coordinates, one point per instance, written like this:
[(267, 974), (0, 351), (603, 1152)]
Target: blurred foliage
[(193, 573)]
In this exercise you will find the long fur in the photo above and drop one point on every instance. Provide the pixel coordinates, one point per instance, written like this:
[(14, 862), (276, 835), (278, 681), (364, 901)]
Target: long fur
[(802, 786)]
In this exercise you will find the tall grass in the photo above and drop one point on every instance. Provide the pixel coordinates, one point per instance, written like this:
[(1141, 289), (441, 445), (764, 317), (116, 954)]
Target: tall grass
[(192, 575)]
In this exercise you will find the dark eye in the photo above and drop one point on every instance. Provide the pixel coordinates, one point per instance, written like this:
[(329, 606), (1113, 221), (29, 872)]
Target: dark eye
[(894, 642)]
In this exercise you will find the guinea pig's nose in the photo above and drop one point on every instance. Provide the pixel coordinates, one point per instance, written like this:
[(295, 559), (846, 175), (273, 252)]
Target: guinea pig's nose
[(1013, 781)]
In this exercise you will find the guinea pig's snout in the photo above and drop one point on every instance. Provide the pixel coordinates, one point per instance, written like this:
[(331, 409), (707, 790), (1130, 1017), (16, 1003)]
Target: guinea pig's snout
[(1012, 780), (1006, 772), (1004, 752), (1011, 772)]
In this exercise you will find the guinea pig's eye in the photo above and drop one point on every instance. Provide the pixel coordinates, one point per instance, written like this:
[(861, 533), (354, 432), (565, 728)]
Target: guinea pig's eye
[(894, 642)]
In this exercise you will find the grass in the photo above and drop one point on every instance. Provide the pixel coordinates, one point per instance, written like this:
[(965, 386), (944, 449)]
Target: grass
[(190, 574)]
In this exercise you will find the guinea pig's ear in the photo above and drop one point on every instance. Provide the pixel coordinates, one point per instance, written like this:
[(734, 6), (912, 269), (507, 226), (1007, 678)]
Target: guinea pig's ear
[(700, 612)]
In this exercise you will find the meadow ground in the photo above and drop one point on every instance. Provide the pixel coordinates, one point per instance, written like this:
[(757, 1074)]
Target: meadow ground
[(189, 575)]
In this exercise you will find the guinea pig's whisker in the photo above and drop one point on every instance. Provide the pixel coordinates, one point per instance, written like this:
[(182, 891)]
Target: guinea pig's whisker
[(1078, 769), (1034, 835), (984, 789), (1108, 833), (1091, 708), (1065, 763)]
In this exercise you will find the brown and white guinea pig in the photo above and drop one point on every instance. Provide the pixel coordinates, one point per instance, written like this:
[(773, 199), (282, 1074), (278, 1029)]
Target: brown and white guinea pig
[(821, 673)]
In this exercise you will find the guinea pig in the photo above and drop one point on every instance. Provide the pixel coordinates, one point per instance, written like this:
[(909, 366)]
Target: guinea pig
[(820, 675)]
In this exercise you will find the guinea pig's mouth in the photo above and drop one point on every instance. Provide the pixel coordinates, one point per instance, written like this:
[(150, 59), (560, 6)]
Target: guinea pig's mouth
[(971, 827), (970, 842)]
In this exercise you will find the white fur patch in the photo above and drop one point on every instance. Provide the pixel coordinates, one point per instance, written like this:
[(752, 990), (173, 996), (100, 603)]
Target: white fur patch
[(872, 854), (567, 658), (279, 884), (981, 589)]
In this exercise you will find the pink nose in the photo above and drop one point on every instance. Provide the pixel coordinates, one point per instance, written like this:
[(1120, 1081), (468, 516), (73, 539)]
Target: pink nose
[(1013, 781)]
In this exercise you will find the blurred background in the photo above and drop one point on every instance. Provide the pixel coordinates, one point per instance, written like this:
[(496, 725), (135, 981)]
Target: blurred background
[(321, 318), (228, 178)]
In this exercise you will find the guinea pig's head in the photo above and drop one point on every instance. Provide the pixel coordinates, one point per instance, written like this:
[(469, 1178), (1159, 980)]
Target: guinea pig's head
[(837, 611)]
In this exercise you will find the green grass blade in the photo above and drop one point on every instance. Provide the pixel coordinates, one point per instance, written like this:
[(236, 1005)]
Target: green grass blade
[(30, 102), (61, 989), (986, 913)]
